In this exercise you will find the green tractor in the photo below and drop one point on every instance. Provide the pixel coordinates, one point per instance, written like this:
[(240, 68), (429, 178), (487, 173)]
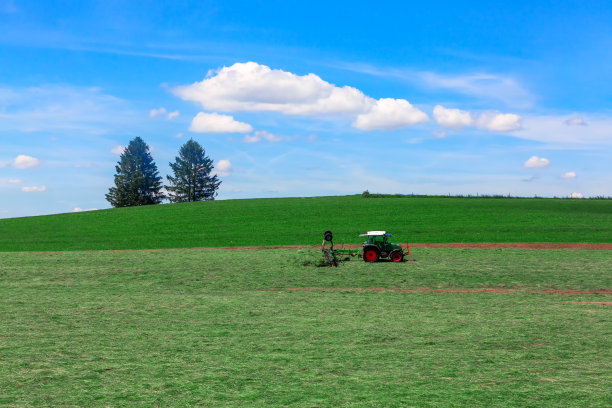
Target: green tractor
[(376, 247)]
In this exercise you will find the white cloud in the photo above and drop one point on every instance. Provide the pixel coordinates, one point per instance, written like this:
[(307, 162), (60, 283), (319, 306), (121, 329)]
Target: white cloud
[(25, 162), (179, 135), (389, 113), (492, 121), (224, 168), (216, 123), (157, 112), (536, 162), (576, 195), (254, 87), (499, 122), (575, 122), (452, 118), (78, 209), (118, 149), (568, 175), (34, 189), (173, 115), (15, 181), (265, 135)]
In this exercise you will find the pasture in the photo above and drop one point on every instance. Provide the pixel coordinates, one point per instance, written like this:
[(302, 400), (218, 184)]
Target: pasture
[(213, 327), (301, 221)]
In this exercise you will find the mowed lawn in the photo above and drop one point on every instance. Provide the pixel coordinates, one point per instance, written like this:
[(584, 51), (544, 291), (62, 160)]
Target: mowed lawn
[(302, 221), (222, 328)]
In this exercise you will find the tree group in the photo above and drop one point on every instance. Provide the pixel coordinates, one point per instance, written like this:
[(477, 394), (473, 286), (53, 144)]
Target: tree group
[(137, 181)]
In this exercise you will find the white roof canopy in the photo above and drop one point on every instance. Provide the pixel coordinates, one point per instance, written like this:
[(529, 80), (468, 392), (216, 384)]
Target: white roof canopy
[(375, 233)]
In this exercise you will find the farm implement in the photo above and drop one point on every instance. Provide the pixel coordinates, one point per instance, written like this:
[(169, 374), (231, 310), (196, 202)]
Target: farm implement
[(376, 248)]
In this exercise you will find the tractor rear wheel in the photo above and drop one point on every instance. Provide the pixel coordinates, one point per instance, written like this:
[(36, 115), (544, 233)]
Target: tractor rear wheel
[(397, 257), (370, 255)]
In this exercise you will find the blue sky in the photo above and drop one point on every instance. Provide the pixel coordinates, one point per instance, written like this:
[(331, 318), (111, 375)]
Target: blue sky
[(294, 98)]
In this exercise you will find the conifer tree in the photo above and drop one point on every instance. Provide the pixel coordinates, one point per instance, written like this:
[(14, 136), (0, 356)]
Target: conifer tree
[(137, 180), (192, 180)]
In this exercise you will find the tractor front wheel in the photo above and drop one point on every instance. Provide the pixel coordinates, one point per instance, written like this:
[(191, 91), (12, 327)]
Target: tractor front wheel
[(397, 257), (370, 255)]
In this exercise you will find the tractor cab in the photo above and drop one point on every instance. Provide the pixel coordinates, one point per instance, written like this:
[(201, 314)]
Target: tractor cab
[(380, 241)]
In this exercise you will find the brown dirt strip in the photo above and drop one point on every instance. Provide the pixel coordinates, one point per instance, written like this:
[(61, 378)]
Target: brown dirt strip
[(458, 245), (450, 290)]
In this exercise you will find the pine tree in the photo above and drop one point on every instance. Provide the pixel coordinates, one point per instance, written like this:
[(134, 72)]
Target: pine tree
[(192, 180), (137, 180)]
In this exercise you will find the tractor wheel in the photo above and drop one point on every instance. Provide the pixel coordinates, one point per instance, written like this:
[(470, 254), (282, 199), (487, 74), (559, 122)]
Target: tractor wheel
[(397, 257), (370, 255)]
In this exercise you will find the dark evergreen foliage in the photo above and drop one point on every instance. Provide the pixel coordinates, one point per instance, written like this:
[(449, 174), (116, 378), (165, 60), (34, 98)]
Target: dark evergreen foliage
[(192, 180), (137, 180)]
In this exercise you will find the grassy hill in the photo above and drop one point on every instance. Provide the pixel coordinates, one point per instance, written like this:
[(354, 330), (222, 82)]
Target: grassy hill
[(286, 221)]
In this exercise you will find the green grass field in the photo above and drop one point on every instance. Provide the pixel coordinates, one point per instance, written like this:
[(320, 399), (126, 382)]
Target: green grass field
[(220, 328), (286, 221)]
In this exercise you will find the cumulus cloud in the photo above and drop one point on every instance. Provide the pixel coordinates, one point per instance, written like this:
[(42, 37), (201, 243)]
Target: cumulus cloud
[(536, 162), (499, 122), (224, 168), (25, 162), (173, 115), (452, 118), (118, 149), (493, 121), (254, 87), (15, 181), (34, 189), (568, 175), (157, 112), (389, 113), (576, 195), (216, 123)]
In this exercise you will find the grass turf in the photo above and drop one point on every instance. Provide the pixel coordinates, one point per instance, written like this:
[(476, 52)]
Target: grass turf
[(286, 221), (178, 328)]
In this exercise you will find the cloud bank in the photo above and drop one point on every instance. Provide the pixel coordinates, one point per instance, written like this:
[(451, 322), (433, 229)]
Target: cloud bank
[(251, 87)]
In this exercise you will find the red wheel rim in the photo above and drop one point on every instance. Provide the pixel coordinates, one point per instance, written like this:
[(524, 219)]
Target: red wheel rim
[(397, 257), (370, 255)]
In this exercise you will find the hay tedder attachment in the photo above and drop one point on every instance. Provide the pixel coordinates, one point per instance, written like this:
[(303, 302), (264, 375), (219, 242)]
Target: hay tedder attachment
[(375, 248)]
